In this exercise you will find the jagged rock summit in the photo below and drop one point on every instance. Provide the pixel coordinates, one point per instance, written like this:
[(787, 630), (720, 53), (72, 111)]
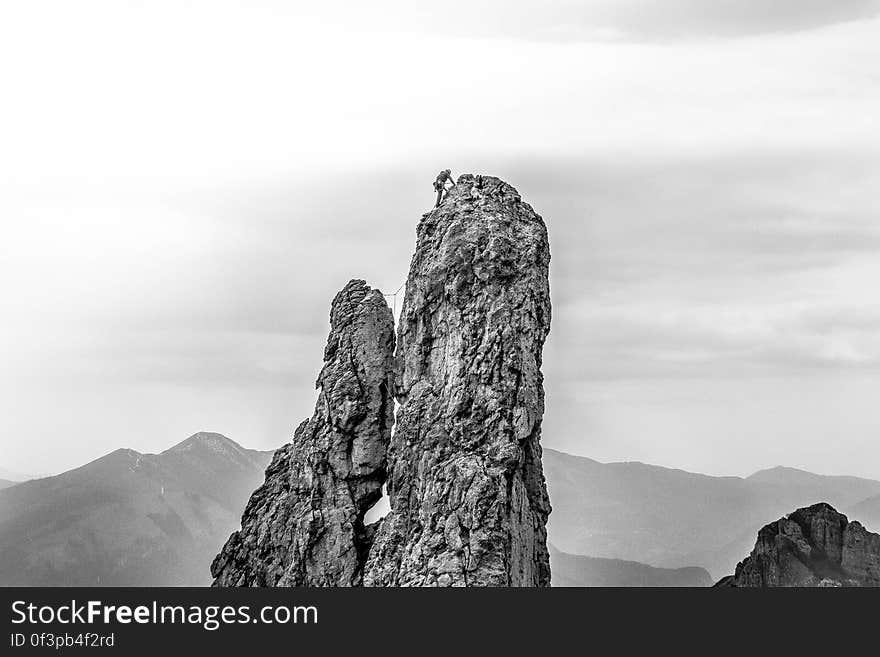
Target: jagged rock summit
[(463, 469), (304, 525), (468, 500), (813, 546)]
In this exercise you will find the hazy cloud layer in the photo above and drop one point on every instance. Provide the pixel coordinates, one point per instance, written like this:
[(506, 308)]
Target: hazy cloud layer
[(689, 19), (177, 219), (609, 20)]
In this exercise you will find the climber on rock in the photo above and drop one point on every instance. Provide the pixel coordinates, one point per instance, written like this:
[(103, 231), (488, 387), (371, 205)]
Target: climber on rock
[(443, 177)]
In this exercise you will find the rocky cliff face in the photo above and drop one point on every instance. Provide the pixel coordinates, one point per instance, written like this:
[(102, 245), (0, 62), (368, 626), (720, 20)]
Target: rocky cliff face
[(814, 546), (468, 501), (304, 525)]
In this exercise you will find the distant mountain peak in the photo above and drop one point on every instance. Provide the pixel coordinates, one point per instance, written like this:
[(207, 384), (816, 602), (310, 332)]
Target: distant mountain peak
[(206, 440), (782, 474), (781, 470), (127, 518), (217, 448)]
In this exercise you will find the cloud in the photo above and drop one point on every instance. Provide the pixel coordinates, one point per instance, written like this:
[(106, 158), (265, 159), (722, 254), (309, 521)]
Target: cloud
[(172, 241), (662, 265), (607, 20), (728, 339), (698, 221), (743, 263), (696, 19)]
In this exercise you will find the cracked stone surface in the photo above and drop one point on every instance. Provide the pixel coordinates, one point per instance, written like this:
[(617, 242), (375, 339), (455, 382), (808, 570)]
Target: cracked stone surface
[(462, 469), (813, 546), (304, 525), (468, 499)]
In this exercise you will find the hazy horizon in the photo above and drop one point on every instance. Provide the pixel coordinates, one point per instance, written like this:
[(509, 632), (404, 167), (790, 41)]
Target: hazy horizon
[(184, 189), (20, 476)]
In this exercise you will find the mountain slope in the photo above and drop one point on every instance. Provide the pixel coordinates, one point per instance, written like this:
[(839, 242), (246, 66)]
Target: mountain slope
[(576, 570), (128, 519), (673, 518), (5, 483), (158, 519)]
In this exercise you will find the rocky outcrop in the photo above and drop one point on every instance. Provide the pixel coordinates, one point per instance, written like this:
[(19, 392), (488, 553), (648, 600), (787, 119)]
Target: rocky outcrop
[(814, 546), (304, 526), (466, 488), (468, 500)]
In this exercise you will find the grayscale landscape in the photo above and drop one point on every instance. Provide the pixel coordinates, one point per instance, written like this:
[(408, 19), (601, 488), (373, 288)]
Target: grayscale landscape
[(130, 519), (629, 334)]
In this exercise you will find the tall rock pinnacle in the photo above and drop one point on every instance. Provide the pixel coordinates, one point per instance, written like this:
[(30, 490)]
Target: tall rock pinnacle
[(304, 525), (463, 468), (468, 500)]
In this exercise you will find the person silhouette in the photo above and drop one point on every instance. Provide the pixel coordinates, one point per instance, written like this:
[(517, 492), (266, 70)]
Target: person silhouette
[(443, 177)]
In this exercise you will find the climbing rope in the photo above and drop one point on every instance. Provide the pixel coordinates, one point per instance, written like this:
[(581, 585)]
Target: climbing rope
[(394, 295)]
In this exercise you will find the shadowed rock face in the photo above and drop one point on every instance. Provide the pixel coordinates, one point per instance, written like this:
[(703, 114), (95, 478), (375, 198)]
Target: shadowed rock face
[(468, 500), (304, 525), (814, 546)]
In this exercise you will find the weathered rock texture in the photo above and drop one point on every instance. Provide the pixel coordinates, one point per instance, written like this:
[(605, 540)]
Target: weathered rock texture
[(468, 500), (304, 525), (814, 546)]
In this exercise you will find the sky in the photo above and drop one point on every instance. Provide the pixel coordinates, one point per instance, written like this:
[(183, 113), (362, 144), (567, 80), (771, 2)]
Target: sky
[(185, 185)]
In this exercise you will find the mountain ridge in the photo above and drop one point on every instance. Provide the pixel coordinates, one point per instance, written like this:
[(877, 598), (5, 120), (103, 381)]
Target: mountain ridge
[(756, 475), (612, 498), (126, 518), (776, 473), (673, 518), (574, 570)]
